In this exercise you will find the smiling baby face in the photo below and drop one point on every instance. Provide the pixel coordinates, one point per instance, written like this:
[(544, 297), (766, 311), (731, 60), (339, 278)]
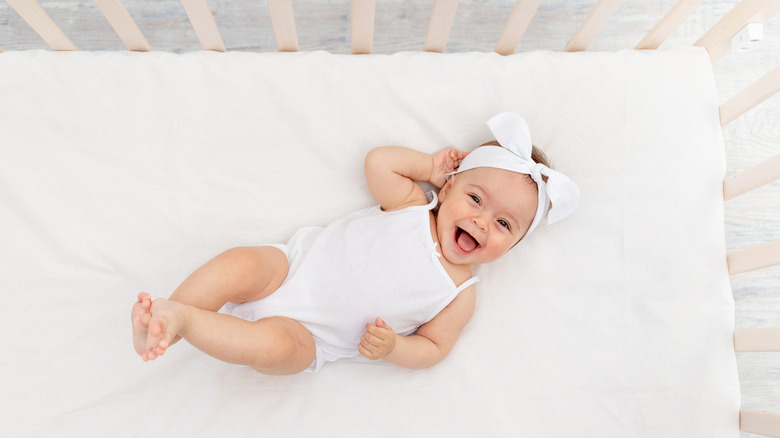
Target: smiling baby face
[(484, 212)]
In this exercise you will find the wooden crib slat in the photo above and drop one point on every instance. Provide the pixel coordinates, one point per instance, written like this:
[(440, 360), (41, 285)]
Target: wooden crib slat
[(123, 24), (441, 22), (751, 96), (751, 259), (768, 12), (516, 26), (362, 39), (203, 22), (283, 22), (771, 9), (757, 340), (717, 40), (751, 178), (668, 24), (762, 423), (42, 24), (597, 18)]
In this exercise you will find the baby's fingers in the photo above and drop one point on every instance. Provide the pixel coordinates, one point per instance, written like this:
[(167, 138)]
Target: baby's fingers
[(365, 352), (452, 159), (370, 340), (379, 332), (459, 156), (455, 158), (370, 351)]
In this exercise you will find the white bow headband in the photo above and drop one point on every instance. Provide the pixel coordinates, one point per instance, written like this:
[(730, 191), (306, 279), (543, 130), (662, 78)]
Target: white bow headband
[(514, 154)]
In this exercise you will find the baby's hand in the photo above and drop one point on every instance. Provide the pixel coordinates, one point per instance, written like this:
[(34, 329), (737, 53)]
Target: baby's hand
[(378, 341), (445, 162)]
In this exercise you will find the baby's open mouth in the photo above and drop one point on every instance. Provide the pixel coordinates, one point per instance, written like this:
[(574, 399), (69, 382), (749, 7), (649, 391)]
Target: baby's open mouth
[(464, 241)]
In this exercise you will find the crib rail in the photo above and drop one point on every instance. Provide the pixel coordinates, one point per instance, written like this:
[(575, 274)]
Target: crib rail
[(123, 24), (761, 423), (756, 340), (41, 24), (751, 96), (716, 40), (763, 173), (762, 256), (516, 26), (362, 35), (668, 24), (441, 22), (593, 24), (752, 178), (203, 22), (283, 22)]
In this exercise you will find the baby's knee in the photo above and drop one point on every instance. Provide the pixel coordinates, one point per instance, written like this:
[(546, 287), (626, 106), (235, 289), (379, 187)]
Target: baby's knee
[(257, 271), (242, 259), (281, 351), (287, 351)]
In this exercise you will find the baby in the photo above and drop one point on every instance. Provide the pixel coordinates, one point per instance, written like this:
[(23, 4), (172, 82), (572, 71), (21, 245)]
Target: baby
[(389, 282)]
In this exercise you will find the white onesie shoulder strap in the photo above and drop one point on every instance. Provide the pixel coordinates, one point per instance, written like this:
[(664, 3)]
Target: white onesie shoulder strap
[(467, 283), (433, 200)]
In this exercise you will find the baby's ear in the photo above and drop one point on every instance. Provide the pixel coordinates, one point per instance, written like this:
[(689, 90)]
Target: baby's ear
[(445, 188)]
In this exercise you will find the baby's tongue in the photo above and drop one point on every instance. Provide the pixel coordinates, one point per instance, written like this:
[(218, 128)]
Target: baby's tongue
[(466, 242)]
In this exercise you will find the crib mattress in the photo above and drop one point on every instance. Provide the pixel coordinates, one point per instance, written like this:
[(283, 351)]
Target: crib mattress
[(123, 172)]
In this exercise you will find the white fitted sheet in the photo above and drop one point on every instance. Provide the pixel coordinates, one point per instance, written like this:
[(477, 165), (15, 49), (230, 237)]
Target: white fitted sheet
[(122, 172)]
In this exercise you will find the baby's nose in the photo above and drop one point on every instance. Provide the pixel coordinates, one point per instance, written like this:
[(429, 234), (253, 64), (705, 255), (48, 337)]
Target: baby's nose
[(479, 222)]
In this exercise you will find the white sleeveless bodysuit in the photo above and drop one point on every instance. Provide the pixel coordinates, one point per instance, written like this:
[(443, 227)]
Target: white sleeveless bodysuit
[(370, 263)]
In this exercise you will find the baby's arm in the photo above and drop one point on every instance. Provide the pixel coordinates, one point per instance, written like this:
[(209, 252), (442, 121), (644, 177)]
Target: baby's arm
[(391, 172), (433, 340)]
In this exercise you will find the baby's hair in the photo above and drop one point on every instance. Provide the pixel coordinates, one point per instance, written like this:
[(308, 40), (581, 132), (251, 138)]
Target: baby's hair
[(537, 154)]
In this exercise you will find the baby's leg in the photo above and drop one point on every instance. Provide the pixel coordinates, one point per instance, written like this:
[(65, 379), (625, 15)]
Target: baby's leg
[(271, 346), (238, 275)]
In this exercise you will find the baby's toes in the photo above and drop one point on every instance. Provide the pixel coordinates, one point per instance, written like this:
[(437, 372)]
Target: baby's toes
[(145, 300), (155, 329), (153, 336), (144, 319), (151, 355)]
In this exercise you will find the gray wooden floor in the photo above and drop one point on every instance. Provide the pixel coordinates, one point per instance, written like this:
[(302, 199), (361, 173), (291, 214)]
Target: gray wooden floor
[(751, 219)]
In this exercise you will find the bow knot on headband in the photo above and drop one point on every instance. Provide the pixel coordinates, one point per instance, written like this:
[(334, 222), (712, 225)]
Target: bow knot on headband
[(514, 155), (536, 171)]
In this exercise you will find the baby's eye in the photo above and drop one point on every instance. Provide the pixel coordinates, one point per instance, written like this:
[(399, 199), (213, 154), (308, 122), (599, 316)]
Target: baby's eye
[(503, 223), (476, 199)]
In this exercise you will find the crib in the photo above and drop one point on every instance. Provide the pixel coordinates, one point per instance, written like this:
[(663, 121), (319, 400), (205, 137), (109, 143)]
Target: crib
[(124, 170)]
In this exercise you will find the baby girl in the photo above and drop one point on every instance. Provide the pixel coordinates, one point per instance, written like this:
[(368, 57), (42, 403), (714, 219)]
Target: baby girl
[(390, 282)]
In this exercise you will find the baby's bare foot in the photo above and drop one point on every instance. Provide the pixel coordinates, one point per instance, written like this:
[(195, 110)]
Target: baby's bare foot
[(168, 319), (139, 318)]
